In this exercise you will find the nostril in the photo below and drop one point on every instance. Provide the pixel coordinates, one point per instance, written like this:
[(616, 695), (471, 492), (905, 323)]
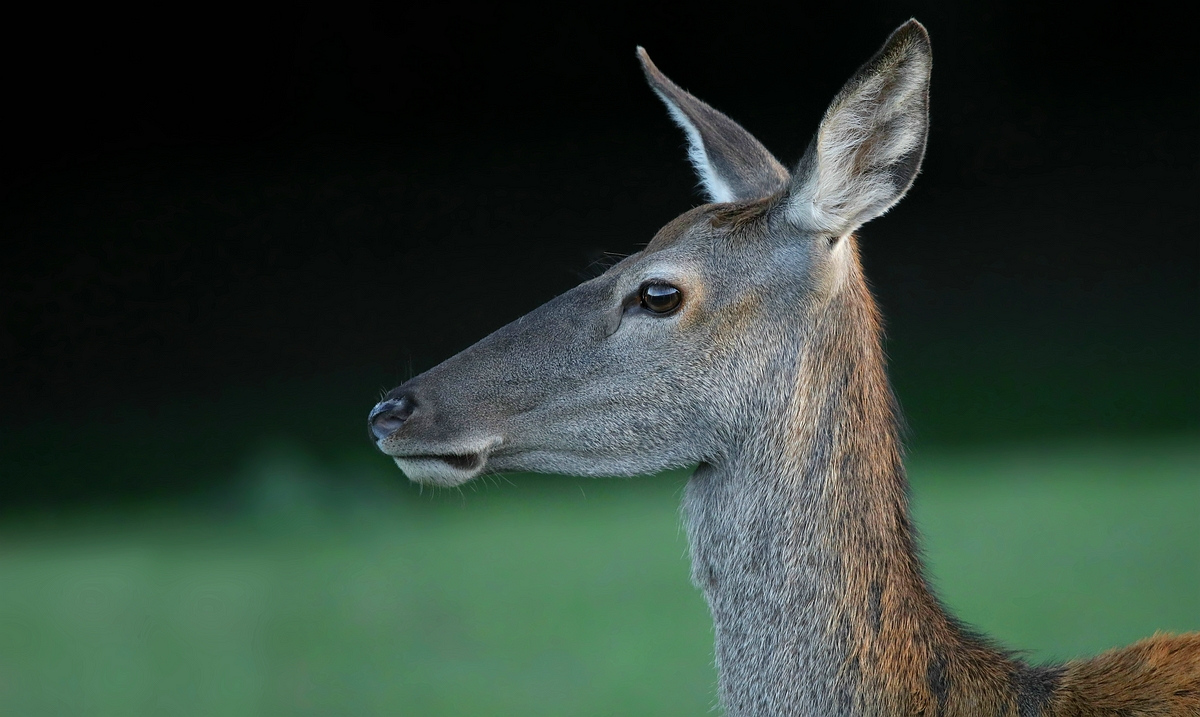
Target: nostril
[(389, 415)]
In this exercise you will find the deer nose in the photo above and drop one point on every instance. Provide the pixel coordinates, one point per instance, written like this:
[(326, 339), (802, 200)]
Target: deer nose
[(389, 415)]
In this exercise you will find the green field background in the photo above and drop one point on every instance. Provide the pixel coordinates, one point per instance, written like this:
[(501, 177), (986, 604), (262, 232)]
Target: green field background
[(327, 586)]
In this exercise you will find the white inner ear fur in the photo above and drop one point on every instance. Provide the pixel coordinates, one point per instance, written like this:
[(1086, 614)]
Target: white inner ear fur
[(865, 132), (715, 187)]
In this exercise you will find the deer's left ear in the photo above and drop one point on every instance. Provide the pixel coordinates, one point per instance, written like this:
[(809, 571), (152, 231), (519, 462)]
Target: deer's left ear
[(732, 164), (871, 141)]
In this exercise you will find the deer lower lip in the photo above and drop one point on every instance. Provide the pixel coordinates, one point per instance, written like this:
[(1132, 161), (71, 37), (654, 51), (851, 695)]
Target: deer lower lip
[(468, 462), (463, 462), (445, 464)]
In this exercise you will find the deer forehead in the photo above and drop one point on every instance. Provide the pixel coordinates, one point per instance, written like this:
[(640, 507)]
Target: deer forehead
[(736, 240), (687, 228)]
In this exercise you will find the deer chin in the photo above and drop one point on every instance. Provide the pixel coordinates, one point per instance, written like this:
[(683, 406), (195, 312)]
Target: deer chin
[(447, 471), (447, 467)]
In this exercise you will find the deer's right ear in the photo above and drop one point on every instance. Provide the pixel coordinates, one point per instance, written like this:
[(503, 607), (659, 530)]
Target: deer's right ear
[(732, 164), (871, 141)]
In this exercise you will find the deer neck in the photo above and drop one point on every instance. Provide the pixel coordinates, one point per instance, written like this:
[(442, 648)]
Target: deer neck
[(802, 545)]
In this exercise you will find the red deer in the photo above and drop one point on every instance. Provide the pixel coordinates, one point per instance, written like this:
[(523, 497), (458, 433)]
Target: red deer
[(743, 339)]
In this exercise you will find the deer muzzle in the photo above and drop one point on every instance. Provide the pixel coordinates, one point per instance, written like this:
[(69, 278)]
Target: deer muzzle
[(425, 458)]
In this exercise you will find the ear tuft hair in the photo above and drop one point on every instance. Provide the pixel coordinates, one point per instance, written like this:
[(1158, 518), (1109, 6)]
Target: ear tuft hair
[(871, 141)]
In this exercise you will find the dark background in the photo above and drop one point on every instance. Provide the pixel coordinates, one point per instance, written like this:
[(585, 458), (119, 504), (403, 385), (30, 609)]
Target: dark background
[(224, 224)]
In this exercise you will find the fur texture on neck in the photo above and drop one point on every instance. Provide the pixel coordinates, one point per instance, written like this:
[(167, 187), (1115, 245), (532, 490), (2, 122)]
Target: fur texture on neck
[(802, 543)]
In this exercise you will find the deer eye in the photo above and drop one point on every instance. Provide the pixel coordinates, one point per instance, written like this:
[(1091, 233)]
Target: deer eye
[(659, 298)]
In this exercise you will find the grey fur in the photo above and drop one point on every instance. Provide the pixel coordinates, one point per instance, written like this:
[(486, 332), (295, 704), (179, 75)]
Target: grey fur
[(592, 384)]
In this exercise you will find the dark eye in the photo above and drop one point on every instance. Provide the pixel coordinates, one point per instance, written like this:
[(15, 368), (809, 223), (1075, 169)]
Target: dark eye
[(660, 298)]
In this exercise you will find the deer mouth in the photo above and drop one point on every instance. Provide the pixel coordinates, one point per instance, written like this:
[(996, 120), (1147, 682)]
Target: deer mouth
[(467, 462), (445, 469), (450, 467)]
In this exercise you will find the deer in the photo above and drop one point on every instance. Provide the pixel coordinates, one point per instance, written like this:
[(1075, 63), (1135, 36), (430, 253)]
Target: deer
[(743, 340)]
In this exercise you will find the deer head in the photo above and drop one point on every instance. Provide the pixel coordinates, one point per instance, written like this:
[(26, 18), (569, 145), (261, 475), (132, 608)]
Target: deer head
[(683, 353)]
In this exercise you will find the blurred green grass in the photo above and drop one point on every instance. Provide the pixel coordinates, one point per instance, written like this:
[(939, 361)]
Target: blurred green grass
[(331, 587)]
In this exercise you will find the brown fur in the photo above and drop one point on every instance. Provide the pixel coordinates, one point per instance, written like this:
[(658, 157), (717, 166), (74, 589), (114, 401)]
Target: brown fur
[(742, 216), (907, 649), (1156, 677)]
